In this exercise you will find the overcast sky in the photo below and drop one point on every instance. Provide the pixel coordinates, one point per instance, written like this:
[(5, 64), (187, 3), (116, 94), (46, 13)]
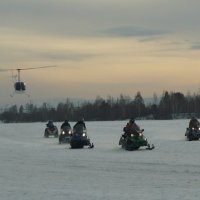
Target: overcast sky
[(100, 47)]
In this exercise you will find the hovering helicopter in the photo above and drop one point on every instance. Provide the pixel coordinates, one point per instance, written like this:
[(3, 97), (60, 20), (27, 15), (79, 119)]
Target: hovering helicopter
[(20, 86)]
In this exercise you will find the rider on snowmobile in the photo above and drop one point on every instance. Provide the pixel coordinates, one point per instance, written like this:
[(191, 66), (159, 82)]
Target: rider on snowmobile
[(133, 139), (80, 123), (194, 123), (50, 124), (65, 124), (131, 128)]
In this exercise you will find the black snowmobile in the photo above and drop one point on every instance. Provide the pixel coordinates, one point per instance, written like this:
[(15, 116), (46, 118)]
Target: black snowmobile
[(79, 138), (133, 141), (192, 133), (65, 135)]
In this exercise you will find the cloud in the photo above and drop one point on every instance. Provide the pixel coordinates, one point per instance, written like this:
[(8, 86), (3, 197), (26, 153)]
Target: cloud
[(195, 46), (89, 17), (133, 31), (66, 56)]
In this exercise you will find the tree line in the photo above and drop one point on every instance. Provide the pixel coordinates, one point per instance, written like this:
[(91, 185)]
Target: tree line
[(170, 105)]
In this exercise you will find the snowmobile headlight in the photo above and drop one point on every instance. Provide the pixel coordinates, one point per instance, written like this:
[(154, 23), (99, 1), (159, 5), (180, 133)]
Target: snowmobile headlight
[(140, 134), (84, 134), (70, 132), (63, 132), (193, 128), (132, 135)]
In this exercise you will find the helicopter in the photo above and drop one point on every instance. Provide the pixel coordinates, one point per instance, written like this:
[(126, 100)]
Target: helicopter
[(20, 86)]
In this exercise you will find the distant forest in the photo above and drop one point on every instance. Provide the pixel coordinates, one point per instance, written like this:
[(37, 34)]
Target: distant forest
[(169, 106)]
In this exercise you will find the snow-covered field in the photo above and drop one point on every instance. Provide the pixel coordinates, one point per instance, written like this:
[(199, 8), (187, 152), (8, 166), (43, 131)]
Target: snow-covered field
[(36, 168)]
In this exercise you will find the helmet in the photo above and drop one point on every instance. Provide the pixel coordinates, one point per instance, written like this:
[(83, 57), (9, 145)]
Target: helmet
[(132, 120), (66, 121), (81, 119)]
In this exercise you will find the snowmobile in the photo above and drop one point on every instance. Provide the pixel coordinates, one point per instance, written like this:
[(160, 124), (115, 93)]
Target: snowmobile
[(65, 135), (133, 141), (192, 133), (51, 131), (79, 138)]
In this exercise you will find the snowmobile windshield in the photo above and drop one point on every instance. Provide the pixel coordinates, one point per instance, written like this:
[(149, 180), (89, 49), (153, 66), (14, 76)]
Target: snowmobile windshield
[(66, 128)]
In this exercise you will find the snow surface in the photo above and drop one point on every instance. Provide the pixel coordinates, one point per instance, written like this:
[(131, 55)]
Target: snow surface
[(36, 168)]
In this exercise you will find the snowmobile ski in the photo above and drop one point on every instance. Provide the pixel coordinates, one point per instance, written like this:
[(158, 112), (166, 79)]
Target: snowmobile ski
[(91, 145), (150, 147)]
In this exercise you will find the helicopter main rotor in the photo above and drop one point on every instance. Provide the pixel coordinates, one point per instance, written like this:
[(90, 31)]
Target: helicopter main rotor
[(29, 68)]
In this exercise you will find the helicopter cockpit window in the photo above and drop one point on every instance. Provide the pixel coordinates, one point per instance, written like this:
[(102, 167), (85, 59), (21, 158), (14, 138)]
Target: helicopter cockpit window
[(20, 86)]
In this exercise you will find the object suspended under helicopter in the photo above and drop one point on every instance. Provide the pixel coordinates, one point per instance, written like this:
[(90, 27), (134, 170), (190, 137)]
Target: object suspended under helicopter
[(20, 86)]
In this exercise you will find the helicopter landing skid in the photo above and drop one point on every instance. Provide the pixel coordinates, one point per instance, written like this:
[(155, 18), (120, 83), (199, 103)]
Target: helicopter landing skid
[(12, 95)]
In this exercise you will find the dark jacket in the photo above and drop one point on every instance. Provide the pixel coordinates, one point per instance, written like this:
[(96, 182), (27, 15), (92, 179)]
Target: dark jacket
[(80, 123), (194, 123), (65, 124)]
